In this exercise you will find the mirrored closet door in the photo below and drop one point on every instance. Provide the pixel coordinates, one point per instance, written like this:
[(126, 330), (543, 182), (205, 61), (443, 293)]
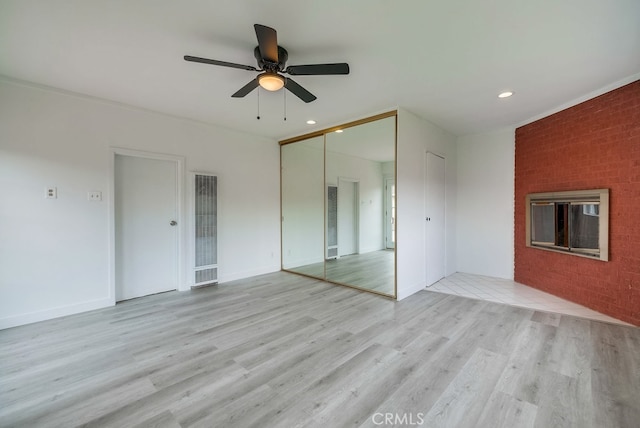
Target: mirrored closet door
[(338, 204)]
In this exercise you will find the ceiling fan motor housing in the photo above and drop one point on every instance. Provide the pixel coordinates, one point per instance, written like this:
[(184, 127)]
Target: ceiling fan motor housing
[(283, 55)]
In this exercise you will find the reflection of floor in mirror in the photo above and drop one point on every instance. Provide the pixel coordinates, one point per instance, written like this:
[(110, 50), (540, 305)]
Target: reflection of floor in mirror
[(316, 270), (373, 270)]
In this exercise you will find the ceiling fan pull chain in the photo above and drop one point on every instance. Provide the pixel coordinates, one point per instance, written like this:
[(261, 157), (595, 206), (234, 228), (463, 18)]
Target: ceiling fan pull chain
[(258, 117), (285, 105)]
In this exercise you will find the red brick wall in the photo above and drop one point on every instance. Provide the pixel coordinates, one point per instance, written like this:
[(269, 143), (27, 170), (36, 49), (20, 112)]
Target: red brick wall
[(595, 144)]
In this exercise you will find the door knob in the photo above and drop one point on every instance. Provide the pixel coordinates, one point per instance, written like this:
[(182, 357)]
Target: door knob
[(173, 222)]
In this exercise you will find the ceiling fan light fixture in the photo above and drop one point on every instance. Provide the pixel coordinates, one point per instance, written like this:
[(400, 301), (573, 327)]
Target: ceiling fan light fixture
[(271, 81), (505, 94)]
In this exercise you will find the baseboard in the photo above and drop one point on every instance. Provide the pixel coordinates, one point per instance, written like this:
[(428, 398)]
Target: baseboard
[(408, 291), (61, 311), (248, 273)]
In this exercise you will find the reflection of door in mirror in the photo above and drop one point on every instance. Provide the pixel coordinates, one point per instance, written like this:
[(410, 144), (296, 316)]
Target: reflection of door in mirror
[(390, 213), (348, 231)]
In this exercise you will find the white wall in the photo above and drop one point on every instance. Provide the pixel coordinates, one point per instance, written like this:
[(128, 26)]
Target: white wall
[(54, 253), (416, 136), (485, 203)]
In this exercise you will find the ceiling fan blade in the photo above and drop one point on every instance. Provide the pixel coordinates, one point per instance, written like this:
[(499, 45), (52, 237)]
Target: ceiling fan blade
[(216, 62), (246, 89), (299, 91), (318, 69), (268, 42)]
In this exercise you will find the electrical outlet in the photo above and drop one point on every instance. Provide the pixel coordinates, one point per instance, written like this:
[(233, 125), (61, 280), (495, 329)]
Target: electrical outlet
[(51, 192), (94, 196)]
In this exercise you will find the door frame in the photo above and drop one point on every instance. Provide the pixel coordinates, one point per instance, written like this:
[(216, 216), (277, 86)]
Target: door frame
[(180, 245)]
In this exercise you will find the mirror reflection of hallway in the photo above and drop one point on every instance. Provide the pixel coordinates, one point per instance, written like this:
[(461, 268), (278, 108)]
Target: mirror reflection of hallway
[(348, 231)]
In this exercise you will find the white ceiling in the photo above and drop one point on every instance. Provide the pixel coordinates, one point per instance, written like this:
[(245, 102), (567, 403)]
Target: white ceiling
[(444, 60)]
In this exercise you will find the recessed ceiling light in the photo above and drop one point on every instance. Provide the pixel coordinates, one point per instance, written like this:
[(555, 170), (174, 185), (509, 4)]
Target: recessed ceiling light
[(311, 122), (339, 131), (505, 94)]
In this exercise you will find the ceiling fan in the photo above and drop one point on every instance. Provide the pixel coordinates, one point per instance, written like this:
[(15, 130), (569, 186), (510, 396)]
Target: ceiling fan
[(271, 62)]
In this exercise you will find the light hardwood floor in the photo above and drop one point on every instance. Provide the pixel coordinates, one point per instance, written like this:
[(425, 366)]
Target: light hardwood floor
[(281, 350)]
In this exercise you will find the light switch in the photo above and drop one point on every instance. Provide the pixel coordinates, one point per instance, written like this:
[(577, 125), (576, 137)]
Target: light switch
[(94, 196), (51, 192)]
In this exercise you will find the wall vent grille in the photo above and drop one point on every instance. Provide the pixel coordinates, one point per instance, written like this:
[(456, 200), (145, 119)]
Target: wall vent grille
[(206, 229)]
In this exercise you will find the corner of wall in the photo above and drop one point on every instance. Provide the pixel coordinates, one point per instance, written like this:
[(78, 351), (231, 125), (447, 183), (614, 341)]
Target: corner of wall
[(485, 231)]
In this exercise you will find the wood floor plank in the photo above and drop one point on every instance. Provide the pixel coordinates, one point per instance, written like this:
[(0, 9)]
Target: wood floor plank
[(570, 353), (503, 410), (195, 388), (560, 403), (546, 318), (525, 370), (232, 412), (76, 410), (285, 350), (318, 393), (615, 375), (469, 390), (162, 420), (367, 394), (441, 364)]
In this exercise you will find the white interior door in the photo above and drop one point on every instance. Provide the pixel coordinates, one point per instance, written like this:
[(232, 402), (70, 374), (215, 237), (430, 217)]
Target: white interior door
[(146, 252), (434, 218), (347, 217)]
